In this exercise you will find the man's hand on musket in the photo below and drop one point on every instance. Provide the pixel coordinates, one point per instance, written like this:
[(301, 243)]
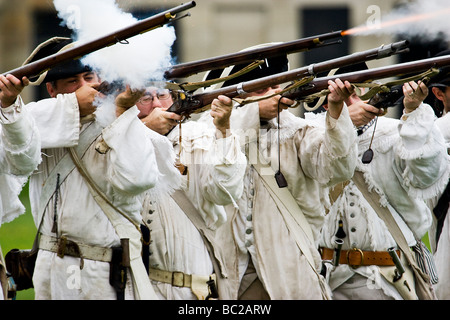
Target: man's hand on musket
[(86, 96), (127, 99), (361, 112), (414, 95), (161, 121), (268, 108), (339, 92), (10, 88), (221, 108)]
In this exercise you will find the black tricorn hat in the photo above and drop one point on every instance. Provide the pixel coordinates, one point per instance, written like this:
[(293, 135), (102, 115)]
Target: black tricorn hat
[(443, 78), (60, 71)]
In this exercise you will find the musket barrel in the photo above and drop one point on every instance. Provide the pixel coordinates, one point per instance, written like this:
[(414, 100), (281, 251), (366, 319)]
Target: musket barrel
[(40, 66), (304, 44)]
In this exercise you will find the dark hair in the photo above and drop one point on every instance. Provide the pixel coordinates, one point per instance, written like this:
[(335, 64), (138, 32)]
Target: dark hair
[(437, 105)]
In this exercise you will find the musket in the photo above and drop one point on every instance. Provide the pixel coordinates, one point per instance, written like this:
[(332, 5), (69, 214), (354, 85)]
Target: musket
[(187, 104), (304, 44), (158, 20), (366, 76)]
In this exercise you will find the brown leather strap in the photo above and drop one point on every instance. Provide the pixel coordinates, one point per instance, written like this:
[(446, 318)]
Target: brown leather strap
[(357, 257)]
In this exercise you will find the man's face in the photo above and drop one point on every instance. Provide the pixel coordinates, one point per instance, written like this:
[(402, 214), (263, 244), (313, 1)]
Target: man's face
[(71, 84), (153, 98)]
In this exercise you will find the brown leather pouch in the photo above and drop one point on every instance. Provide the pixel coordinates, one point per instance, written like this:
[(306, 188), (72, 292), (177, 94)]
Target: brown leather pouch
[(20, 263)]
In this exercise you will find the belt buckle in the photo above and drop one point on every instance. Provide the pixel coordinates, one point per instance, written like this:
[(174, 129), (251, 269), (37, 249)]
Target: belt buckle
[(355, 266), (178, 279)]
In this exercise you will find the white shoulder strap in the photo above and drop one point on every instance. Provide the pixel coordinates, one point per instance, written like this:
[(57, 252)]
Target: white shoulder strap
[(141, 283), (64, 167), (373, 199), (289, 208), (294, 217)]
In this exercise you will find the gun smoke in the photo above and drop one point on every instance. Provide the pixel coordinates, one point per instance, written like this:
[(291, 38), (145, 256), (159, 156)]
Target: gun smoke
[(135, 61), (417, 18)]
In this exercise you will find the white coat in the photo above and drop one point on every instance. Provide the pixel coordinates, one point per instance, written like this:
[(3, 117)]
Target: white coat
[(20, 153), (19, 156), (442, 252)]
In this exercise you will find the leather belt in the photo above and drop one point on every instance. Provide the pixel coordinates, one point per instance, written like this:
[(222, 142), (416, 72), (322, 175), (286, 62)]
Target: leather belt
[(176, 278), (63, 246), (356, 257)]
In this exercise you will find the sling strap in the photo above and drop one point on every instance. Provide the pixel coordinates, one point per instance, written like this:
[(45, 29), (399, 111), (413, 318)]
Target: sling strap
[(424, 289), (64, 167), (59, 173), (141, 283), (293, 216), (192, 213)]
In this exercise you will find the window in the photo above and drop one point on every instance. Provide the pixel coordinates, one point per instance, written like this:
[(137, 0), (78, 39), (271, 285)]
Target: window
[(316, 21)]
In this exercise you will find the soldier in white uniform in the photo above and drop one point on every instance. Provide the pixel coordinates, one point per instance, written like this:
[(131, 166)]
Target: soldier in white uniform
[(408, 164), (275, 255), (20, 153), (180, 264), (76, 236), (440, 231)]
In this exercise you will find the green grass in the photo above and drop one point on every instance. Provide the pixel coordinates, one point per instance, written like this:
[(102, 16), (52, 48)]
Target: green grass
[(19, 234)]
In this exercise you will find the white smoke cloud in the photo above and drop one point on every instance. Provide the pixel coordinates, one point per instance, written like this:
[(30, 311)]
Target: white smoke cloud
[(423, 18), (144, 57)]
